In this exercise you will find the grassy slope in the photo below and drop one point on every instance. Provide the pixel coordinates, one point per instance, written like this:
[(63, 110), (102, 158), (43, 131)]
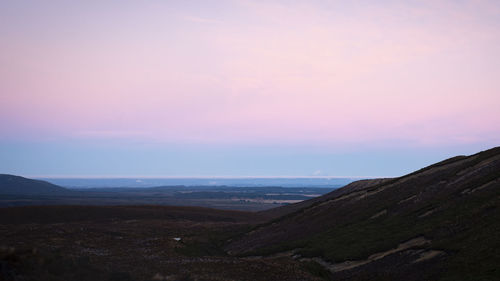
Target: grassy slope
[(463, 225)]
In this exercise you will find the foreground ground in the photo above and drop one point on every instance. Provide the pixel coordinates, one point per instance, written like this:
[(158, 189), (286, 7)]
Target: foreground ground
[(133, 243)]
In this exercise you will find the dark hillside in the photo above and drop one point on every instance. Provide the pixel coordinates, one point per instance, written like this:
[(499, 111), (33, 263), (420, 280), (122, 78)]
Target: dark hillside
[(16, 185), (441, 222), (287, 209)]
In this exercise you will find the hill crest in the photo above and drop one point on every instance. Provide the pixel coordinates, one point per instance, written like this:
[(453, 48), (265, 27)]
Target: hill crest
[(17, 185)]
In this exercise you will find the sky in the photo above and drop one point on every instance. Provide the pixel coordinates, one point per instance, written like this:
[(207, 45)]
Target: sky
[(245, 88)]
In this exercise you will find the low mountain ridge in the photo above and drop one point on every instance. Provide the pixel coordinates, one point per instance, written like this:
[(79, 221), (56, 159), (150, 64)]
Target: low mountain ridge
[(440, 222), (16, 185)]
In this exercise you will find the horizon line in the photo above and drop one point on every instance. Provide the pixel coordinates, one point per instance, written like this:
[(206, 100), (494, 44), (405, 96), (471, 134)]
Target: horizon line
[(192, 177)]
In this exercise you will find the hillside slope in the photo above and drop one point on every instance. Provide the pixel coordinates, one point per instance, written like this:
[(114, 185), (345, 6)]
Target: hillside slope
[(441, 222), (287, 209), (16, 185)]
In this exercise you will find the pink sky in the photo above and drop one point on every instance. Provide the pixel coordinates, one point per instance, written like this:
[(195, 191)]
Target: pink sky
[(423, 72)]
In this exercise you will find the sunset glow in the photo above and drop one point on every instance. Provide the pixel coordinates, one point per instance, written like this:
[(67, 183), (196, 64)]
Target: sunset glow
[(225, 77)]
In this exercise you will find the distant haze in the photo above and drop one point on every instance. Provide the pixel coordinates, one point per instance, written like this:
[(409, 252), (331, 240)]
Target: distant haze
[(201, 182), (245, 88)]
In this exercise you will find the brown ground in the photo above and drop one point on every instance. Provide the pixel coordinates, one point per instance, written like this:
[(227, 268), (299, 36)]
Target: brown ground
[(131, 243)]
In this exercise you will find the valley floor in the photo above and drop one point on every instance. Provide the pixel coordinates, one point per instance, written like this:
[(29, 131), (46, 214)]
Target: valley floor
[(130, 243)]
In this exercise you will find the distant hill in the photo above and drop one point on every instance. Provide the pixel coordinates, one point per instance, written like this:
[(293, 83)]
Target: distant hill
[(439, 223), (16, 185)]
